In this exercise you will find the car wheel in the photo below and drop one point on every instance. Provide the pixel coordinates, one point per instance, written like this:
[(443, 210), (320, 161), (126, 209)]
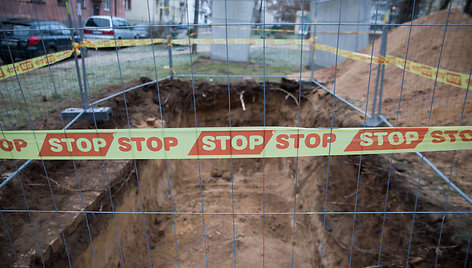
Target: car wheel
[(6, 59), (51, 50)]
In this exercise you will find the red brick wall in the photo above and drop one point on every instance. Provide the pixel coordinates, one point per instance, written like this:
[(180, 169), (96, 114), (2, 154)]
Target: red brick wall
[(117, 8)]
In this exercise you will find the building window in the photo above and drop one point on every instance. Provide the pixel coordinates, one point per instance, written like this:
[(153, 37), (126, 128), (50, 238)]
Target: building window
[(61, 2), (128, 4), (107, 5), (83, 3)]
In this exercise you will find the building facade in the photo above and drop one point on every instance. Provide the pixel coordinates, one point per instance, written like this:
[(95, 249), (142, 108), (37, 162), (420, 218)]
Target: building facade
[(137, 11)]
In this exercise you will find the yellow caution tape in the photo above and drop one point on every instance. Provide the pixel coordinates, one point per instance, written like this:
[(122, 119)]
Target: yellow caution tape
[(347, 32), (351, 55), (34, 63), (122, 42), (456, 79), (76, 48), (287, 31), (89, 44), (242, 41), (38, 62), (222, 41), (254, 29), (67, 7), (170, 69), (224, 142)]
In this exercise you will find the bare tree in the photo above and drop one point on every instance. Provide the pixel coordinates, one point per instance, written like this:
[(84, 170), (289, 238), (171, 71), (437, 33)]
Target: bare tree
[(258, 11), (286, 10)]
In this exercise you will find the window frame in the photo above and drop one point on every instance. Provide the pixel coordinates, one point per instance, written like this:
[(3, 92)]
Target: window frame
[(107, 5)]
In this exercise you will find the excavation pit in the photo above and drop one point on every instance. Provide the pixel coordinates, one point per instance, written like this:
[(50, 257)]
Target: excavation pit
[(247, 204)]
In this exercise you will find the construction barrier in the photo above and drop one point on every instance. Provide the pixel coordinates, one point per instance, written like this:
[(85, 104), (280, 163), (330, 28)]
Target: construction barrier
[(224, 142), (456, 79)]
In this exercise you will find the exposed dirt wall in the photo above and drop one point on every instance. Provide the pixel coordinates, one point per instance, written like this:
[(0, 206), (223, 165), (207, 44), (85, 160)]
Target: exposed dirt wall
[(247, 186)]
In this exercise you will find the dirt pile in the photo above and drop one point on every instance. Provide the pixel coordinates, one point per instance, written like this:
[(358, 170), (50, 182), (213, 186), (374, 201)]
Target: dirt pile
[(423, 46), (410, 100)]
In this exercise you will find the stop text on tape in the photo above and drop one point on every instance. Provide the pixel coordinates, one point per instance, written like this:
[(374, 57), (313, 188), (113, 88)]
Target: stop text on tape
[(238, 142)]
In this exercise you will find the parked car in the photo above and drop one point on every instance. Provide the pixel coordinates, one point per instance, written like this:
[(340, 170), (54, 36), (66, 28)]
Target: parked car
[(25, 38), (108, 28), (141, 30)]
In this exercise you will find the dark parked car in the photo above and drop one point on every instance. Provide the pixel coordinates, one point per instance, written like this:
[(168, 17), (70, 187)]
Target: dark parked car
[(31, 38)]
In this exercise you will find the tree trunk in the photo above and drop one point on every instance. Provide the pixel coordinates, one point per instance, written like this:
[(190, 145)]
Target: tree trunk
[(195, 28), (258, 14)]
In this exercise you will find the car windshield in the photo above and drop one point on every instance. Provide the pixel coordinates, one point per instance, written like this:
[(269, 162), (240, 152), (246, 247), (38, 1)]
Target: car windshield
[(12, 29), (98, 22)]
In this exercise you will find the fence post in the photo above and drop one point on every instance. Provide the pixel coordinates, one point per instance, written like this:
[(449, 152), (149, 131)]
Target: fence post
[(169, 44), (102, 113), (383, 52), (83, 53), (169, 49), (79, 79), (313, 15), (376, 120)]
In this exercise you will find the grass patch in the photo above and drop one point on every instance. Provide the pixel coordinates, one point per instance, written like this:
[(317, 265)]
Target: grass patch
[(45, 89)]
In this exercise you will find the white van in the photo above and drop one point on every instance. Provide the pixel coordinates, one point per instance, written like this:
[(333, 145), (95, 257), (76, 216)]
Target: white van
[(108, 28)]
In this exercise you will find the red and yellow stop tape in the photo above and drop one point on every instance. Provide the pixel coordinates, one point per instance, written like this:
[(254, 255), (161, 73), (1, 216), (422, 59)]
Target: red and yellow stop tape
[(224, 142)]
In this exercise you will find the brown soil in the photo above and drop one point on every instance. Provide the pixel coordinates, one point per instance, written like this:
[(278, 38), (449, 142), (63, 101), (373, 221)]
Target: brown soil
[(416, 93), (248, 187), (352, 78)]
